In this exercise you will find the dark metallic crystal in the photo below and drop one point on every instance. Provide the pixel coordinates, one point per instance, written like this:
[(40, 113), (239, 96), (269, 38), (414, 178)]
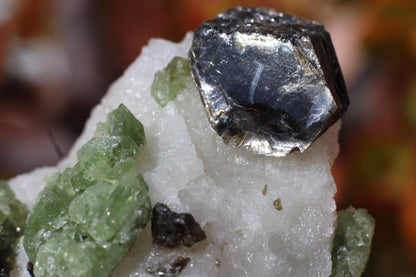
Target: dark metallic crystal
[(270, 82), (170, 229)]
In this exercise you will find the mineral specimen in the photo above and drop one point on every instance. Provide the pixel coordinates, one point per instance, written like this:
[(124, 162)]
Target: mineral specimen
[(170, 81), (352, 242), (12, 224), (188, 167), (87, 217), (171, 229), (270, 82)]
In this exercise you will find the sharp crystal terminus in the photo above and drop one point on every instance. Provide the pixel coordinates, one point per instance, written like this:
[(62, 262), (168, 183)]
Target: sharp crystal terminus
[(270, 82)]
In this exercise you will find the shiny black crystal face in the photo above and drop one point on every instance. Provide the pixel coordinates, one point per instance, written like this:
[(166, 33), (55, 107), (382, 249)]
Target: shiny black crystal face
[(270, 82)]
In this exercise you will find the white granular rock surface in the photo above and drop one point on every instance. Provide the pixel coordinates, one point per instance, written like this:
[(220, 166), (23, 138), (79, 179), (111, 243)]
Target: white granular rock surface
[(188, 167)]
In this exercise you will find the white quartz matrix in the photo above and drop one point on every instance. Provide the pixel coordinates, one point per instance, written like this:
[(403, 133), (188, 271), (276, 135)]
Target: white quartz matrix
[(189, 168)]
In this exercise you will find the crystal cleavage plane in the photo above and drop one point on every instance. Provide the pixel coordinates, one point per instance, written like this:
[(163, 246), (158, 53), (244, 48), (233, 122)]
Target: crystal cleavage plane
[(270, 82)]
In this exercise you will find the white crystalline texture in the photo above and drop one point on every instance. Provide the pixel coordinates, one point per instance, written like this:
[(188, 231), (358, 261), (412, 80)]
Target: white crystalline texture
[(189, 168)]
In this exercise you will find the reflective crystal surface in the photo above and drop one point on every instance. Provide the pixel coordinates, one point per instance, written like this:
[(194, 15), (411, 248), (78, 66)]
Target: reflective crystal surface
[(270, 82)]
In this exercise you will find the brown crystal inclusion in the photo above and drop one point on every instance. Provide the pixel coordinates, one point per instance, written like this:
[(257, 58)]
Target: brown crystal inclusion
[(170, 229)]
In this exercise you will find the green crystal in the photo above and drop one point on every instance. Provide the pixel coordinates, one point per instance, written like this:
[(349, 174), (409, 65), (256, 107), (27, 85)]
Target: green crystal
[(49, 215), (352, 242), (12, 223), (100, 154), (121, 122), (106, 207), (170, 81), (87, 217), (64, 256)]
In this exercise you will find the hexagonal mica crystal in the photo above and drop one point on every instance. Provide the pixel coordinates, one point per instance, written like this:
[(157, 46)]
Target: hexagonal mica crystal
[(270, 82)]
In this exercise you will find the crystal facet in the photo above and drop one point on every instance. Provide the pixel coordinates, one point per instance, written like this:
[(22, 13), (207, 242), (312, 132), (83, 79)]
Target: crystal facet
[(270, 82)]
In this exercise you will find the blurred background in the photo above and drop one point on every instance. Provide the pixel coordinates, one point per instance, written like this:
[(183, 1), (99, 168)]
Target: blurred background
[(58, 57)]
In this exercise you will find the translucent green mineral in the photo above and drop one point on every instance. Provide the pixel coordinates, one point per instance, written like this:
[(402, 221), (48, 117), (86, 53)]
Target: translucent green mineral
[(170, 81), (87, 217), (12, 223), (352, 242)]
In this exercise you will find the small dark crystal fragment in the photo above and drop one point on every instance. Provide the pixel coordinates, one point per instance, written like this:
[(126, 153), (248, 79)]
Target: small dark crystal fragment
[(170, 270), (170, 229), (270, 82), (29, 268)]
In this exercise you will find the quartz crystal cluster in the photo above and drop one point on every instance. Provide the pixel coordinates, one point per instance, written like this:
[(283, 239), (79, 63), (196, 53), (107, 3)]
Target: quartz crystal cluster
[(270, 82), (12, 224), (87, 217)]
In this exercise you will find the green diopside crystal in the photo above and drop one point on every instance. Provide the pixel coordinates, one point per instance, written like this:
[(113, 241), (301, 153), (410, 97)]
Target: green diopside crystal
[(12, 223), (112, 202), (65, 256), (352, 242), (121, 122), (86, 218), (170, 81)]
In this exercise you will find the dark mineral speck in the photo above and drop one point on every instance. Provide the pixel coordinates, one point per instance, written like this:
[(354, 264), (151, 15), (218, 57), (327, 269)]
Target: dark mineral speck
[(264, 191), (170, 269), (277, 204), (270, 82), (170, 229), (29, 267)]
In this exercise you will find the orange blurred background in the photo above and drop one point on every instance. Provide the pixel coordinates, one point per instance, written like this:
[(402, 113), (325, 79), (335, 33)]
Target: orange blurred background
[(58, 58)]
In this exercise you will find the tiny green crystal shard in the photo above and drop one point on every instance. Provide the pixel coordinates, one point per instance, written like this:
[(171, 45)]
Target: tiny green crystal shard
[(170, 81), (352, 242), (12, 223), (87, 217)]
